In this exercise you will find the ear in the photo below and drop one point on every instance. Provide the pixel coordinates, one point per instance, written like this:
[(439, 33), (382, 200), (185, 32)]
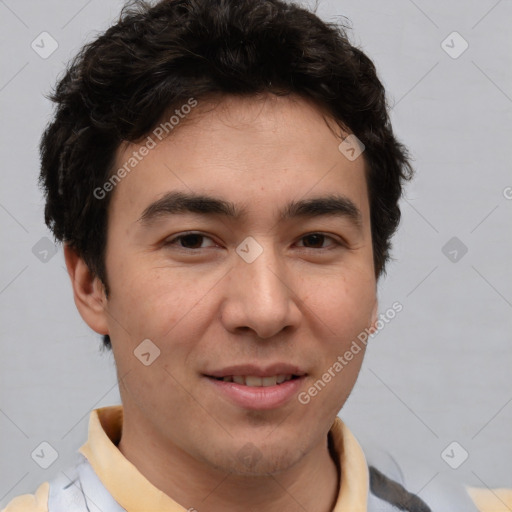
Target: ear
[(88, 292)]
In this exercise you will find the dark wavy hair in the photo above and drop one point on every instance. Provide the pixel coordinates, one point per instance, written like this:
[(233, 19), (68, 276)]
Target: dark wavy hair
[(156, 57)]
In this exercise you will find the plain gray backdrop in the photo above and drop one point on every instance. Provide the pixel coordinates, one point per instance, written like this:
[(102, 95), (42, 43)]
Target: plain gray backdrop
[(439, 373)]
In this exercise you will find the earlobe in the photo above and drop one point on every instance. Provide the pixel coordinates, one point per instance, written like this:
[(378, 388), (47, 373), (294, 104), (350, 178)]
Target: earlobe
[(88, 292)]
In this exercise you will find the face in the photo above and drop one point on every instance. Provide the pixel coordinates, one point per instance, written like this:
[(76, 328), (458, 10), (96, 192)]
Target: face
[(255, 282)]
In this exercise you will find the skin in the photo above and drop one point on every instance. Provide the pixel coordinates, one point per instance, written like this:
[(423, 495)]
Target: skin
[(301, 301)]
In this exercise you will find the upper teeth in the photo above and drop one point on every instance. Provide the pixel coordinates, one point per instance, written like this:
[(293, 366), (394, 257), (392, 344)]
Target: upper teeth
[(250, 380)]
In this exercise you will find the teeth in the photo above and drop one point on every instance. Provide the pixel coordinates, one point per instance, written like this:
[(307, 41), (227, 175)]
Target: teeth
[(253, 381), (267, 381)]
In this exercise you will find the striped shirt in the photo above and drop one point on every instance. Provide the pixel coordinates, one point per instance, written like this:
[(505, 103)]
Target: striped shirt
[(103, 480)]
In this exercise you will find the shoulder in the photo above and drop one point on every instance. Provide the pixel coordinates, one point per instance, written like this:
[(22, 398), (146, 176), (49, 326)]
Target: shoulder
[(491, 500), (391, 488), (76, 489), (387, 490), (37, 502)]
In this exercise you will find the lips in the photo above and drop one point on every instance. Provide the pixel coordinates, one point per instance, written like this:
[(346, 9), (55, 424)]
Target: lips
[(257, 387), (256, 393), (251, 372), (255, 381)]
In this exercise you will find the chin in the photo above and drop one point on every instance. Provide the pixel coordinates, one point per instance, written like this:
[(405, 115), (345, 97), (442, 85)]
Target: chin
[(257, 460)]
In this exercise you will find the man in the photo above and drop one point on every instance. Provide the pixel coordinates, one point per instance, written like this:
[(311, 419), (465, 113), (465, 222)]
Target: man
[(225, 180)]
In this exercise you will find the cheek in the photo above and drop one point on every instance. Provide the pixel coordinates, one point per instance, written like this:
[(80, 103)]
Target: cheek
[(343, 303), (157, 303), (141, 293), (157, 389)]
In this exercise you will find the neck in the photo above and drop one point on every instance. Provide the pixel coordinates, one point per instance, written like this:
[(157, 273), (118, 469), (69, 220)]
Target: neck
[(311, 484)]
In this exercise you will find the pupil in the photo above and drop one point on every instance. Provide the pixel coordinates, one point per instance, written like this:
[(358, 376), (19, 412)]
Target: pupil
[(188, 237), (318, 238)]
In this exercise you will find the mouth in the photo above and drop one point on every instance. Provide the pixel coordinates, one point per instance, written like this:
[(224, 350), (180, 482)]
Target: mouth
[(272, 389), (255, 381)]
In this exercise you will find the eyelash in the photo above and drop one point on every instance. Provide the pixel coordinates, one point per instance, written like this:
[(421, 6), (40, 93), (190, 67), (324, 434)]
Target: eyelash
[(173, 241)]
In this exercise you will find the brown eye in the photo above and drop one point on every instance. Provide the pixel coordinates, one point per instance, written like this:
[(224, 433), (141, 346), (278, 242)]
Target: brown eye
[(316, 240), (188, 241), (191, 241)]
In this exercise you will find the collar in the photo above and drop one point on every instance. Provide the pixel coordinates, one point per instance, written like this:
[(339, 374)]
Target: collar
[(135, 493)]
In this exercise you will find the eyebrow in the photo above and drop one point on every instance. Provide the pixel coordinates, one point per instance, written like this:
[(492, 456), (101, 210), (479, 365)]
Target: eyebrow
[(174, 203)]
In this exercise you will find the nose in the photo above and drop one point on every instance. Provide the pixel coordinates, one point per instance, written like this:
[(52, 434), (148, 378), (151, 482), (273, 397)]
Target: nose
[(262, 296)]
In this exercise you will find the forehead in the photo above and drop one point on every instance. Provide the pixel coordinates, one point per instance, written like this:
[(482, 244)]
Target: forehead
[(254, 151)]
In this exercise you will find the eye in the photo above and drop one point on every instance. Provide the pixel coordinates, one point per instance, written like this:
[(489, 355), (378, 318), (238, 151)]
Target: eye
[(193, 241), (316, 239), (189, 241)]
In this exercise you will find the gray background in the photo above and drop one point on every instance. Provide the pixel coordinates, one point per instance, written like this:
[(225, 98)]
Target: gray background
[(439, 372)]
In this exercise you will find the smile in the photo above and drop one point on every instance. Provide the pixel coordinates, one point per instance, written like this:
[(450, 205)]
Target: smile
[(253, 381)]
